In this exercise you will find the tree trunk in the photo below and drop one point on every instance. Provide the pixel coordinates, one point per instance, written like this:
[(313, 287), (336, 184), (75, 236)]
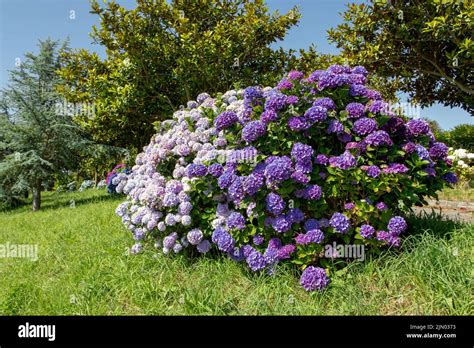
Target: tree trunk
[(37, 198)]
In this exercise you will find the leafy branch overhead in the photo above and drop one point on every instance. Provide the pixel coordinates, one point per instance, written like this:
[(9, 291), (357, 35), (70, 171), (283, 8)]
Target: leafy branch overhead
[(426, 45)]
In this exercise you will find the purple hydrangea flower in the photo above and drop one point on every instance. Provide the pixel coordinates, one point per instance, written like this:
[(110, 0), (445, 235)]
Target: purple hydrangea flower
[(278, 170), (378, 138), (367, 231), (418, 127), (349, 206), (340, 222), (300, 177), (409, 147), (316, 114), (335, 127), (236, 190), (359, 69), (438, 151), (295, 215), (355, 110), (292, 100), (258, 239), (275, 204), (373, 171), (252, 184), (381, 206), (196, 170), (255, 260), (395, 168), (378, 106), (236, 221), (253, 130), (226, 179), (357, 90), (223, 239), (450, 178), (322, 159), (311, 224), (225, 120), (215, 170), (397, 225), (312, 192), (295, 75), (301, 152), (268, 116), (326, 103), (364, 126), (323, 223), (298, 123), (314, 278), (285, 251), (281, 224)]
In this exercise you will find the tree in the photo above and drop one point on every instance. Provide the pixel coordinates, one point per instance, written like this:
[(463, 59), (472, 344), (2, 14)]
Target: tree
[(426, 45), (162, 54), (462, 137), (36, 138)]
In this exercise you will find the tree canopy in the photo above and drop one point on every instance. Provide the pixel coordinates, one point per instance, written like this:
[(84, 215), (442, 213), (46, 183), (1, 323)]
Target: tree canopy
[(162, 54), (36, 139), (426, 46)]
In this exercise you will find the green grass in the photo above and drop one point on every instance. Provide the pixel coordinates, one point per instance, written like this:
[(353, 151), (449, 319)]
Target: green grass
[(459, 193), (83, 270)]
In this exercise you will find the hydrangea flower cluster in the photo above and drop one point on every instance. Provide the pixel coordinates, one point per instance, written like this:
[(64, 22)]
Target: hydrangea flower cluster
[(269, 175)]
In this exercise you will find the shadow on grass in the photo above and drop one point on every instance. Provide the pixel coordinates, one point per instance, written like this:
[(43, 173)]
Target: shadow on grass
[(433, 223)]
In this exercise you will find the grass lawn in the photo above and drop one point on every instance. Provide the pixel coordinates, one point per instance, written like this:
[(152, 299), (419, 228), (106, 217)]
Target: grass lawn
[(83, 270)]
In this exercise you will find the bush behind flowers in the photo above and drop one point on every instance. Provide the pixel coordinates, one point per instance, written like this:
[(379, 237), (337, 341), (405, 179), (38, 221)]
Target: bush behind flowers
[(268, 175)]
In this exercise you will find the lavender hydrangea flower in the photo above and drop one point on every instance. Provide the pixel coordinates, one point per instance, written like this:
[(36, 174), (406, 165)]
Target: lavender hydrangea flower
[(236, 190), (314, 278), (364, 126), (349, 206), (300, 177), (367, 231), (253, 130), (256, 261), (395, 168), (381, 206), (359, 70), (236, 221), (223, 239), (340, 223), (356, 90), (252, 184), (204, 246), (355, 110), (409, 147), (284, 84), (397, 225), (268, 116)]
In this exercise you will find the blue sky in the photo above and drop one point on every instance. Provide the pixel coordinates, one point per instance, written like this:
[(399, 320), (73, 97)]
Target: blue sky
[(23, 22)]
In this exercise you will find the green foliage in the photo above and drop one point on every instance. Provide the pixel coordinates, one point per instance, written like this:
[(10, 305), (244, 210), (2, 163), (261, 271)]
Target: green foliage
[(161, 54), (425, 46), (462, 137)]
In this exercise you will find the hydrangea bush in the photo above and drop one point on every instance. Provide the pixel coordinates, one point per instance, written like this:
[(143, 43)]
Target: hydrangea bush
[(269, 175)]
